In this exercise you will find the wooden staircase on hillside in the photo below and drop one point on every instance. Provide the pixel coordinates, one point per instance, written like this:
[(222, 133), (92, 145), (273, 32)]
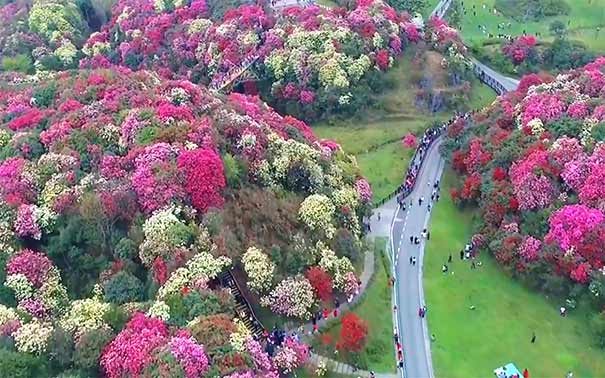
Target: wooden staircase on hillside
[(242, 306)]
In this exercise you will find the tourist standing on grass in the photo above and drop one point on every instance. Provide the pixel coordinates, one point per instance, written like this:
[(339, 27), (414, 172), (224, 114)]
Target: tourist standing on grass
[(449, 259), (533, 338), (525, 373)]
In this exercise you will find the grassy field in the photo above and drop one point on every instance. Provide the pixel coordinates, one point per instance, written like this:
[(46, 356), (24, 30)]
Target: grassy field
[(327, 3), (375, 309), (471, 343), (582, 22), (374, 140), (481, 95)]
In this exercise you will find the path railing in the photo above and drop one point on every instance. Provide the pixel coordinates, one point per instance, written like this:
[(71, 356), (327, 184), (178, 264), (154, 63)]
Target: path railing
[(441, 8), (498, 82), (221, 81)]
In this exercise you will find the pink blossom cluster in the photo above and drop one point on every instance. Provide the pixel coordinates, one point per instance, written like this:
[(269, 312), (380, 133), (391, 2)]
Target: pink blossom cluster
[(131, 350), (530, 248), (570, 224), (519, 48), (190, 355), (364, 191), (26, 224), (291, 355), (155, 179), (35, 266), (543, 106), (409, 141), (533, 190), (15, 186)]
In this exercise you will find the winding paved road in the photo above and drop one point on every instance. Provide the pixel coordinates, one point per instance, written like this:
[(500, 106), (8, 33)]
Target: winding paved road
[(409, 292)]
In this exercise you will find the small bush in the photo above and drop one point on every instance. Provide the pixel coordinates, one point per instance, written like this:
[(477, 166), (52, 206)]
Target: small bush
[(19, 63), (123, 287), (21, 365), (89, 346), (125, 249)]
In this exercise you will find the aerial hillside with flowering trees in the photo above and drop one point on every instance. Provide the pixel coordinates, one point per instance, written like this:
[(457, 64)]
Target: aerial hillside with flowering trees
[(41, 35), (309, 60), (534, 163), (124, 195)]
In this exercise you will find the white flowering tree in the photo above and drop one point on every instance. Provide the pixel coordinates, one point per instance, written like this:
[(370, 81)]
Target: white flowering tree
[(317, 213), (259, 268), (291, 297)]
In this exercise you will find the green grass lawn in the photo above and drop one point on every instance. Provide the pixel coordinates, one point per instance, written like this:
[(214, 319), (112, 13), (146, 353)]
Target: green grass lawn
[(327, 3), (583, 19), (471, 343), (375, 309), (375, 139), (481, 95)]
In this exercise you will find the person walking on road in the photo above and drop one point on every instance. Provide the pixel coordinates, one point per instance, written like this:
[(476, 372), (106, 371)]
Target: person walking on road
[(411, 239), (420, 201), (379, 216), (414, 260), (411, 259)]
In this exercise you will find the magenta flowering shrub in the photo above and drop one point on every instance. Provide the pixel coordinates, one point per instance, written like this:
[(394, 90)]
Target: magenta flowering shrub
[(409, 141), (156, 179), (530, 248), (533, 190), (364, 191), (544, 175), (35, 266), (570, 224), (520, 49), (190, 355), (132, 348)]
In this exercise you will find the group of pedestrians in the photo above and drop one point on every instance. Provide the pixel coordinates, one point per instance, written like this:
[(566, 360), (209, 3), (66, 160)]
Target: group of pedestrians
[(399, 348), (430, 135)]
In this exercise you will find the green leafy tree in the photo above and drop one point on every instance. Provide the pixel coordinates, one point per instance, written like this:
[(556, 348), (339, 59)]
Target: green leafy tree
[(557, 29), (22, 365), (123, 287), (411, 6)]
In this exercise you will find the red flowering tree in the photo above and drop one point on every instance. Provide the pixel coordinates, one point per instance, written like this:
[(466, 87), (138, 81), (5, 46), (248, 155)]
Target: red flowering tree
[(353, 333), (321, 282), (204, 177)]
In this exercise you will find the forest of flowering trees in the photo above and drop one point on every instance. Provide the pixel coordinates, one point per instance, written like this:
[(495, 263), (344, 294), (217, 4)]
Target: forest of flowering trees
[(127, 186), (534, 163)]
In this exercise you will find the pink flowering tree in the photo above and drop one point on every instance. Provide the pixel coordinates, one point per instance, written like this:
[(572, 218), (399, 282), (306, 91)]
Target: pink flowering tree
[(409, 141), (569, 224), (521, 49), (204, 177), (532, 190), (131, 350)]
